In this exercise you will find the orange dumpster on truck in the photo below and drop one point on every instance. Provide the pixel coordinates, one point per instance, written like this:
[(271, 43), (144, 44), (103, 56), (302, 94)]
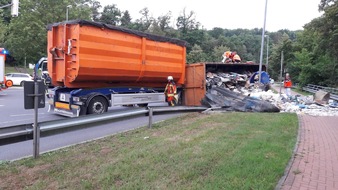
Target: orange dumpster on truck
[(95, 65), (85, 54)]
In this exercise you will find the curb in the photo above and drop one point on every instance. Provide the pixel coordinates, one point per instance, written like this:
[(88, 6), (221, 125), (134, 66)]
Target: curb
[(292, 159)]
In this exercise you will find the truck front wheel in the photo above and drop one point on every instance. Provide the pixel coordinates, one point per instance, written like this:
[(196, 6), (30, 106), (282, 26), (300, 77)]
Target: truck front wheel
[(98, 105)]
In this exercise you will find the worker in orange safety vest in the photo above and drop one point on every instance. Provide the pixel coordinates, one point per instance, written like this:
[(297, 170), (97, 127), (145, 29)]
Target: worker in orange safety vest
[(226, 56), (234, 57), (229, 57), (170, 92), (287, 85)]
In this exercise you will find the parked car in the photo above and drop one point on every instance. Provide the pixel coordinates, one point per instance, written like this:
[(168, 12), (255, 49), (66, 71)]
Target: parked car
[(18, 78)]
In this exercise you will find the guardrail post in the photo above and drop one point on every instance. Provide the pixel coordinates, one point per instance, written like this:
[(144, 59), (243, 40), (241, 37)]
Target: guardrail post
[(150, 117), (36, 133)]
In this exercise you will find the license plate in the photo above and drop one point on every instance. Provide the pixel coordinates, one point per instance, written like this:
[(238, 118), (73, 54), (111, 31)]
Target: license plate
[(63, 97)]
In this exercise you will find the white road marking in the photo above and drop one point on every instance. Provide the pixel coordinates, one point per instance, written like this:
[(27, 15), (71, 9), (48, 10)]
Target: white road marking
[(2, 105), (19, 115)]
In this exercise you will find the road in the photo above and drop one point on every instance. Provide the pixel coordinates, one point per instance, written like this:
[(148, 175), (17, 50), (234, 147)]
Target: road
[(12, 110), (13, 113)]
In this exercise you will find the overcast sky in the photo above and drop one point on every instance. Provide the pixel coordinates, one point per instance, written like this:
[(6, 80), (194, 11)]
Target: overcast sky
[(249, 14)]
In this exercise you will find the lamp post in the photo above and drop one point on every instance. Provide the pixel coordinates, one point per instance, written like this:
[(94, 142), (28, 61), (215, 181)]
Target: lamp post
[(67, 10), (262, 45), (267, 53)]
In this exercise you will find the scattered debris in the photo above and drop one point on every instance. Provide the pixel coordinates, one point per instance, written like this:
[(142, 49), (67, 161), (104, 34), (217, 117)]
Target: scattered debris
[(238, 91)]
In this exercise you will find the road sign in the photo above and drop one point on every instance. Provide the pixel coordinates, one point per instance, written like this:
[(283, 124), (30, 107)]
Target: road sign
[(29, 94)]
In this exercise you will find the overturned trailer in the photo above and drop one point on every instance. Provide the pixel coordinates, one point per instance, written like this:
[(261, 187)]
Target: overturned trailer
[(212, 84)]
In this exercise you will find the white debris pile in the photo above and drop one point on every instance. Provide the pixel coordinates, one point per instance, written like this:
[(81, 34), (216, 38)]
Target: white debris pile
[(297, 104), (239, 82), (229, 80)]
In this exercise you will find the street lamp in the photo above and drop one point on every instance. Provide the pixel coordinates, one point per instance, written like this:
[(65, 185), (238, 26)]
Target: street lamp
[(267, 53), (67, 10), (262, 44)]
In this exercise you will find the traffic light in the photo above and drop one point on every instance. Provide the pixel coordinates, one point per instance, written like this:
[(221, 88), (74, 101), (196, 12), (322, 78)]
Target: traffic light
[(15, 8)]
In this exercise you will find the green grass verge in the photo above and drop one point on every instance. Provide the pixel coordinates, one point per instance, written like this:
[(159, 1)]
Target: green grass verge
[(195, 151), (14, 70)]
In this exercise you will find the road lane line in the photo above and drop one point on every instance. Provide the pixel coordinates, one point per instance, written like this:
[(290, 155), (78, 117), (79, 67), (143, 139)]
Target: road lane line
[(19, 115)]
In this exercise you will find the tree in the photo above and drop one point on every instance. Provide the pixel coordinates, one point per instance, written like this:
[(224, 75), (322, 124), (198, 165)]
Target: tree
[(6, 12), (27, 34), (3, 31), (144, 22), (164, 21), (110, 15), (126, 19), (160, 25), (94, 7), (218, 52), (320, 39), (196, 55), (186, 22)]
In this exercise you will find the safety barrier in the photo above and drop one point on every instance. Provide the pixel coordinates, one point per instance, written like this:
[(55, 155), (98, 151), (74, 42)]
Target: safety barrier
[(27, 129), (314, 88)]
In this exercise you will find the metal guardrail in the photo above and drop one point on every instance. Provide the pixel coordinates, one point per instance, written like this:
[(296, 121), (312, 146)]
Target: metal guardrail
[(27, 129), (314, 88)]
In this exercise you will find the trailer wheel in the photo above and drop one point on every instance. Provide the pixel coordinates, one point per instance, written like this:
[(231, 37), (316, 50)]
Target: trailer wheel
[(98, 105)]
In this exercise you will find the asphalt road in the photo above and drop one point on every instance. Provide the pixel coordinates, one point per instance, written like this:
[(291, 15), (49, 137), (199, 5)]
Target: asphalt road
[(12, 112)]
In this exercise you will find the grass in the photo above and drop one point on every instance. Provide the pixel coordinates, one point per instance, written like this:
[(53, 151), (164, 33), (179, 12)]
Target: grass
[(21, 70), (302, 92), (195, 151)]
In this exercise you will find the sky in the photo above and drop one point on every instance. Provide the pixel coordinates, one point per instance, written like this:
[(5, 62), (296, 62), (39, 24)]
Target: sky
[(246, 14)]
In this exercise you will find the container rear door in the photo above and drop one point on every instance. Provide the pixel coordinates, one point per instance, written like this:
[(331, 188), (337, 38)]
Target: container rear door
[(195, 88)]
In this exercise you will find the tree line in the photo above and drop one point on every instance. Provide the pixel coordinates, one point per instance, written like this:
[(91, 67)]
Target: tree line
[(310, 55)]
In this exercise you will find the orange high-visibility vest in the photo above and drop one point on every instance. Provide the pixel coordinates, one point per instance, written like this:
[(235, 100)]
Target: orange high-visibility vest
[(287, 83), (170, 90), (227, 54)]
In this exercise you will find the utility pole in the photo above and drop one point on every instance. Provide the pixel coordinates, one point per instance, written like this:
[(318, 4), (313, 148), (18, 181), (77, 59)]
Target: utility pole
[(267, 53), (281, 72), (262, 45)]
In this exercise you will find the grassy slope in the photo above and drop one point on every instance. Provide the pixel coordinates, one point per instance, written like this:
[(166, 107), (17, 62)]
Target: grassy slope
[(195, 151), (13, 70)]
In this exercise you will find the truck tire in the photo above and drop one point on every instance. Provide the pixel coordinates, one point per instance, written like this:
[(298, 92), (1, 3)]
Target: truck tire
[(97, 105)]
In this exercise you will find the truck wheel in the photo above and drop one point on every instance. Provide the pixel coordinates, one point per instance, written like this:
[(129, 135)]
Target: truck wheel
[(97, 105)]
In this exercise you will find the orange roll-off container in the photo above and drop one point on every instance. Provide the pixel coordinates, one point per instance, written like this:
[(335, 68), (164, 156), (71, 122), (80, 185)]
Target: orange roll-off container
[(84, 54)]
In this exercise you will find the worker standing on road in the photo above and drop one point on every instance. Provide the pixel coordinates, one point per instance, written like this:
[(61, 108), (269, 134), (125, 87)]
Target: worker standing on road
[(171, 92), (287, 85)]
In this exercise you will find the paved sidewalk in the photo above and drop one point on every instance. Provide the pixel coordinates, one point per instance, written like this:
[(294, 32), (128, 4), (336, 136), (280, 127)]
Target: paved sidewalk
[(315, 163)]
